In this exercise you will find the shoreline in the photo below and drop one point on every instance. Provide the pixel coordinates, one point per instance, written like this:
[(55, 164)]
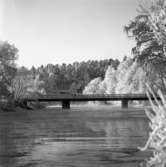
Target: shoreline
[(86, 112)]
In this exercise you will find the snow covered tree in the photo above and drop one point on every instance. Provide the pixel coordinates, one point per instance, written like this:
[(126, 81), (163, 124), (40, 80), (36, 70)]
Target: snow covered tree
[(128, 78), (121, 73), (148, 30), (157, 137), (110, 80), (93, 86), (102, 87)]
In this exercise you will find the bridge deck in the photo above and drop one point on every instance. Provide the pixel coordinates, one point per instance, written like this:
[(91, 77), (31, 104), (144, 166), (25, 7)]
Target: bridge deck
[(89, 97)]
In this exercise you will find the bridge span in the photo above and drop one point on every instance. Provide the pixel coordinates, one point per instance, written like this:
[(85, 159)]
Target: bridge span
[(67, 98)]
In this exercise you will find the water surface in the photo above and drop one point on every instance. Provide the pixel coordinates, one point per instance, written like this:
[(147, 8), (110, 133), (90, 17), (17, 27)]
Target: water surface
[(82, 137)]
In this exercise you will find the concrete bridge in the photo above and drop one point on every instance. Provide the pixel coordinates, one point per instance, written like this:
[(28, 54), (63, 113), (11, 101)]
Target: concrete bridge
[(66, 99)]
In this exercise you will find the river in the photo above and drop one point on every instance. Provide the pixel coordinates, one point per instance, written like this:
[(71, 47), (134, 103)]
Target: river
[(84, 136)]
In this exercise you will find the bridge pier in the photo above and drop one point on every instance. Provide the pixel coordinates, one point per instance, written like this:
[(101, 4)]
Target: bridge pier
[(65, 104), (124, 103)]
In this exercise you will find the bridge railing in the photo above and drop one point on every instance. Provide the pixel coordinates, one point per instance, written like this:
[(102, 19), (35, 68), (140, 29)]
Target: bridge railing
[(91, 96), (116, 95), (88, 96)]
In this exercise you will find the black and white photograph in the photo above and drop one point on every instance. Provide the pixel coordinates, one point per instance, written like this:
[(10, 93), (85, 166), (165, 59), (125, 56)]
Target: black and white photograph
[(82, 83)]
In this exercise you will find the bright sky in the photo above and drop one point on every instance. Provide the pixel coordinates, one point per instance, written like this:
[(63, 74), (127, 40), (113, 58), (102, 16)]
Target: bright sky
[(57, 31)]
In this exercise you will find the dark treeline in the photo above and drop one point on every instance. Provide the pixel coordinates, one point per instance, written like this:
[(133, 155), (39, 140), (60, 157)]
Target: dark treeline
[(73, 77)]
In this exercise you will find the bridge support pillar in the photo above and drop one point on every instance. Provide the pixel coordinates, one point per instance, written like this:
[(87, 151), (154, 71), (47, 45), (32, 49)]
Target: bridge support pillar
[(124, 103), (65, 104)]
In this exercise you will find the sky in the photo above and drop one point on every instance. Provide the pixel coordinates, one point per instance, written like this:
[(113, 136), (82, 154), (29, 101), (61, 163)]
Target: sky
[(65, 31)]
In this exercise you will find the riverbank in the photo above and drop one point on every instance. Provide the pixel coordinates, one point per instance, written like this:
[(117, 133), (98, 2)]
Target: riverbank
[(89, 111)]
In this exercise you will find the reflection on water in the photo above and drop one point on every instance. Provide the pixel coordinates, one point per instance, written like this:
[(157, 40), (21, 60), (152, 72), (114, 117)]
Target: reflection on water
[(79, 138), (121, 133)]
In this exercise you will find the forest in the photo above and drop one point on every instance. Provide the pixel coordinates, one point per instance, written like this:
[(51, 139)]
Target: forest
[(72, 77), (20, 82)]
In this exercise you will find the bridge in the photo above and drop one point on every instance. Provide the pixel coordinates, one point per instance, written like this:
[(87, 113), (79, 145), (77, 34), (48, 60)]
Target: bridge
[(66, 99)]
